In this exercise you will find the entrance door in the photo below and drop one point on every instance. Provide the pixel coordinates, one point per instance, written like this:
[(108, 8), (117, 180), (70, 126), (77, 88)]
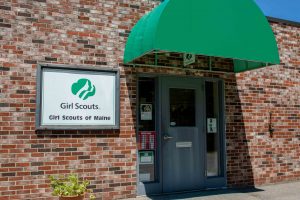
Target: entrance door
[(182, 134)]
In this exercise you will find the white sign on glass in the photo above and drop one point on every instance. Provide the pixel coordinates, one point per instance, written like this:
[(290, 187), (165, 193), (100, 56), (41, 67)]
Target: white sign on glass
[(143, 177), (211, 125), (146, 111), (146, 157)]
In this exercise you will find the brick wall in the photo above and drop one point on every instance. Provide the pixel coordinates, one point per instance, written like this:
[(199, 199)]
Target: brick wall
[(82, 32), (276, 90), (93, 33)]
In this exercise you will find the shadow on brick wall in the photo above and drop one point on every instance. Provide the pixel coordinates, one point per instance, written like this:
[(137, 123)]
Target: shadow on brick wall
[(239, 167), (77, 133)]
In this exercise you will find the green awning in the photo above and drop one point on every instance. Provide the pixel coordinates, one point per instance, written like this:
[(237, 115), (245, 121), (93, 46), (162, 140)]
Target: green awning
[(235, 29)]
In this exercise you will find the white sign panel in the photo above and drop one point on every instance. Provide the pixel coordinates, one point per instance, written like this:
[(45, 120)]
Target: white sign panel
[(146, 111), (145, 177), (78, 97), (146, 157), (211, 125), (188, 59)]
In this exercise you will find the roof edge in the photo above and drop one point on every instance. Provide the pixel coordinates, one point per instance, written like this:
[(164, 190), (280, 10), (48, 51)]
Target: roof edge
[(283, 21)]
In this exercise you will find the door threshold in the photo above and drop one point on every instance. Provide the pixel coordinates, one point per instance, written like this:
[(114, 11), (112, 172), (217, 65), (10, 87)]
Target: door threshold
[(182, 194)]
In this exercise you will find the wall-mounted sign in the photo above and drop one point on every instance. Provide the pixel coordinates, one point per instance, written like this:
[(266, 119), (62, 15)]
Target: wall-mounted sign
[(188, 59), (211, 125), (71, 98), (146, 111)]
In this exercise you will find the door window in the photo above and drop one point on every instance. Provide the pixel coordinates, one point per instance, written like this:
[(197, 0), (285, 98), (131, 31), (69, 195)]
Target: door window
[(147, 152), (182, 107), (212, 126)]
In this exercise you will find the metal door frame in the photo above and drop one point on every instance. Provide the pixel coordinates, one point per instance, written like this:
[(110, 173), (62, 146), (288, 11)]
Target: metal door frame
[(153, 188)]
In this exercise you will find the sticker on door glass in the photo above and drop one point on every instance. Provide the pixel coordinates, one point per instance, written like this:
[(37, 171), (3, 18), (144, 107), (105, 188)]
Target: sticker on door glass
[(211, 125), (147, 140), (146, 157), (173, 124), (146, 111), (145, 177)]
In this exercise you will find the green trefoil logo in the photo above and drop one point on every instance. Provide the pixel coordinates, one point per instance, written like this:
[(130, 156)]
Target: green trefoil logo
[(83, 88)]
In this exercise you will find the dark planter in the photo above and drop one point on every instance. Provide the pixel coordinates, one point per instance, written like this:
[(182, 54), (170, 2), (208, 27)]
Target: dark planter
[(72, 198)]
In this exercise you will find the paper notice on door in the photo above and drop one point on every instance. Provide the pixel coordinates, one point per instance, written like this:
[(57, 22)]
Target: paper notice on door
[(144, 177), (183, 144), (211, 125), (146, 111), (146, 157)]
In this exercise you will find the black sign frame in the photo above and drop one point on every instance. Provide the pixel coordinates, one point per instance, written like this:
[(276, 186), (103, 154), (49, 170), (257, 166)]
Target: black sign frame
[(39, 86)]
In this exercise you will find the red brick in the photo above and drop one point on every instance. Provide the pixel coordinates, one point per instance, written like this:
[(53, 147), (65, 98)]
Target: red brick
[(253, 155)]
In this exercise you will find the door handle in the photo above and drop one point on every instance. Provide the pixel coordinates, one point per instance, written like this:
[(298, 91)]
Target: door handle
[(167, 137)]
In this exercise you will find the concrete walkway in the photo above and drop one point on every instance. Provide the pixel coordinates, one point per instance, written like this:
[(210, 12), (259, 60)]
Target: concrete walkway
[(285, 191)]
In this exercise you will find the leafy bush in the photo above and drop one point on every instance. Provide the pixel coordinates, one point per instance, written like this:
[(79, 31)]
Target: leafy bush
[(70, 186)]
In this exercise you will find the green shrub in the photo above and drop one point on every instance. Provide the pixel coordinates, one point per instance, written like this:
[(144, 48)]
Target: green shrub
[(70, 186)]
